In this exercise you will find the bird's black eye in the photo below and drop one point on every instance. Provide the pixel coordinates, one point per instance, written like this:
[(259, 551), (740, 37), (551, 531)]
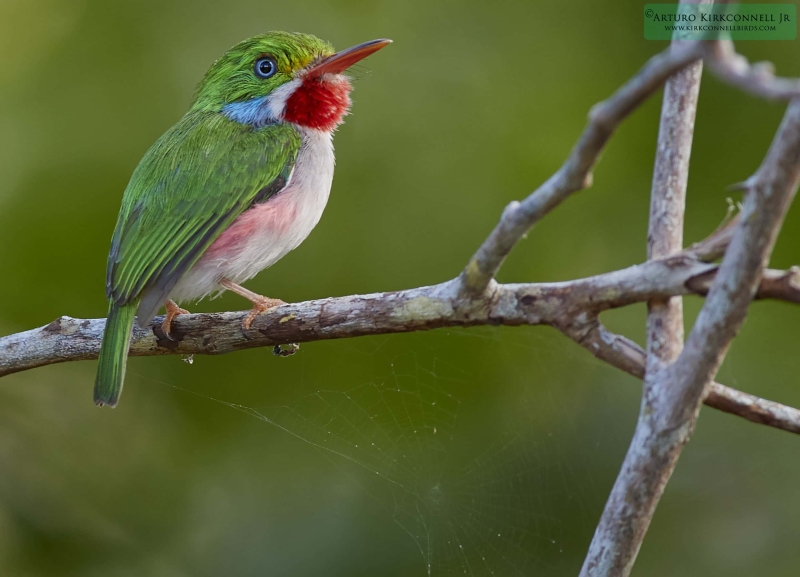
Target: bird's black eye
[(266, 67)]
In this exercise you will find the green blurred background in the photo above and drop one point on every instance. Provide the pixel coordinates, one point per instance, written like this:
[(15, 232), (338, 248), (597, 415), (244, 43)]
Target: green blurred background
[(221, 467)]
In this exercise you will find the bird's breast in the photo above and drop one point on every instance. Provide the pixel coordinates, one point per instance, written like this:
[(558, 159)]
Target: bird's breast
[(263, 234)]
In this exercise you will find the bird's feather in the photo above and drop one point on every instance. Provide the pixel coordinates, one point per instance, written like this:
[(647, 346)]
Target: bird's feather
[(189, 187), (113, 354)]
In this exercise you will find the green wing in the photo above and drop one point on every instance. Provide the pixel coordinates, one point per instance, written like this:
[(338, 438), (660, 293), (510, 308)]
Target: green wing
[(189, 187)]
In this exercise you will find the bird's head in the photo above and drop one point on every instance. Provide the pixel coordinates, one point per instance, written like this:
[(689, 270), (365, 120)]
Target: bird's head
[(282, 77)]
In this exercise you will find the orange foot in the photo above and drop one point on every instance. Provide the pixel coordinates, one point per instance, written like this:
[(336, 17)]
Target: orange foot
[(173, 310), (261, 304)]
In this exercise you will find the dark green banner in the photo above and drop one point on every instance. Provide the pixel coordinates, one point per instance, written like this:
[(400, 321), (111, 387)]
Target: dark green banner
[(720, 21)]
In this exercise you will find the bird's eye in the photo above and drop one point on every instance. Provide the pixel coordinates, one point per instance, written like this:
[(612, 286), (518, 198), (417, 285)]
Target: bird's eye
[(266, 67)]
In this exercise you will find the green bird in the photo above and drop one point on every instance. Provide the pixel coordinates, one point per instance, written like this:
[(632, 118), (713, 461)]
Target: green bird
[(238, 182)]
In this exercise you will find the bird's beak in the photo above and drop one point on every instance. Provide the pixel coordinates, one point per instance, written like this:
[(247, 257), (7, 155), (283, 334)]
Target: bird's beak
[(344, 59)]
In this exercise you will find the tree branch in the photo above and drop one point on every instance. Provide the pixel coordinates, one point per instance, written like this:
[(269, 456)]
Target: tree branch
[(665, 237), (628, 356), (575, 173), (757, 79), (419, 309), (668, 204), (781, 285), (770, 193), (571, 307), (673, 395)]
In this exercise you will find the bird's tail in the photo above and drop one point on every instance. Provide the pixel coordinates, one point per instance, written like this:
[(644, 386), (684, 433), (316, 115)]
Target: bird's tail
[(114, 354)]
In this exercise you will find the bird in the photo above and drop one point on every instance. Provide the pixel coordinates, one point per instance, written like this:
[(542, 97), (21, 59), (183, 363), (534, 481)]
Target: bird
[(230, 189)]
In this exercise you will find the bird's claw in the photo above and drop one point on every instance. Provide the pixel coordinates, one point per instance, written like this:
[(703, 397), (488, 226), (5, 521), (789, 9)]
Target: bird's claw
[(173, 311), (259, 307)]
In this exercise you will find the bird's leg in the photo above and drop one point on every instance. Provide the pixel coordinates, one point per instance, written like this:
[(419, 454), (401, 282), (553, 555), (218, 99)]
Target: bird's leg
[(173, 310), (260, 303)]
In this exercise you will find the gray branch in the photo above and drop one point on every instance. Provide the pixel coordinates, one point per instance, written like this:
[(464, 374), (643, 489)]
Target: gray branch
[(571, 307), (419, 309), (673, 395), (757, 79), (664, 316), (576, 173), (628, 356), (678, 380), (668, 204)]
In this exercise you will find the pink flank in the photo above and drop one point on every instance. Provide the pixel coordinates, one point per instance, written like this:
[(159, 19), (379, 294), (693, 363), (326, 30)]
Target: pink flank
[(273, 218)]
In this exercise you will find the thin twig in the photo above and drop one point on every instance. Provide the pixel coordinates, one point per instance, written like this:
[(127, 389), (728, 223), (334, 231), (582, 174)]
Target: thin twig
[(575, 173), (628, 356), (781, 285), (758, 79), (668, 204), (713, 247)]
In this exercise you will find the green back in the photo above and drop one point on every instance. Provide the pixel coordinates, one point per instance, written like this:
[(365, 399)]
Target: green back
[(189, 187)]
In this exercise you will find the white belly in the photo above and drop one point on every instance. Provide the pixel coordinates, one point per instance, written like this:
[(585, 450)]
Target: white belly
[(261, 236)]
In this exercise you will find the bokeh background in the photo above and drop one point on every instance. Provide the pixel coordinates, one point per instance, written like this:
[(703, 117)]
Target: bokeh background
[(223, 467)]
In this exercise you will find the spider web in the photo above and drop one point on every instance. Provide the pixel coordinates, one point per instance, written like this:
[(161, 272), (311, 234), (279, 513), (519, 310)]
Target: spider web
[(474, 504)]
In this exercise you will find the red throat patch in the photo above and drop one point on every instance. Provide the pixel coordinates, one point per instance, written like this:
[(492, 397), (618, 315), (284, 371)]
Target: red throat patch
[(319, 103)]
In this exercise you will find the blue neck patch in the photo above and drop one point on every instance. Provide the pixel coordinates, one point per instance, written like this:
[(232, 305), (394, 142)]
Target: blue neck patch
[(253, 112)]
